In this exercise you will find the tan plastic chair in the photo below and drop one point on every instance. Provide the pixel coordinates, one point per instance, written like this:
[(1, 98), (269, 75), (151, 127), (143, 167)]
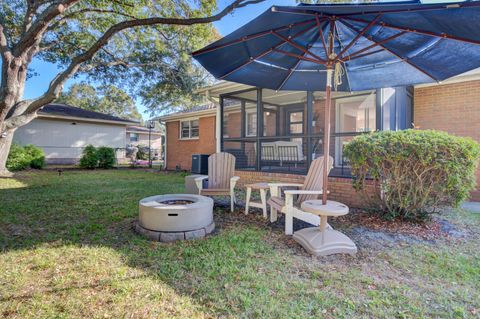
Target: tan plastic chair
[(221, 182), (310, 189)]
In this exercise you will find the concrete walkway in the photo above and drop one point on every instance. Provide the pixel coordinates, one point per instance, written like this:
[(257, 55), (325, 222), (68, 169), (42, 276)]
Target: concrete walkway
[(473, 207)]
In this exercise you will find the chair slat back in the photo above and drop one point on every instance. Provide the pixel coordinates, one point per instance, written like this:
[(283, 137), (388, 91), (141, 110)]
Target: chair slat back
[(314, 179), (221, 167)]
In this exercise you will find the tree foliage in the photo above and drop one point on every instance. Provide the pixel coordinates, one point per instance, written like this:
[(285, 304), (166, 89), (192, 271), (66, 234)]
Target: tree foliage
[(107, 99), (140, 43)]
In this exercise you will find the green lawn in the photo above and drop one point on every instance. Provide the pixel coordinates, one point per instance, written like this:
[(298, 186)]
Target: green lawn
[(68, 251)]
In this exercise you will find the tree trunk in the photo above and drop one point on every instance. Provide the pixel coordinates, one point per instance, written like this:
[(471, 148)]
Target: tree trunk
[(5, 143)]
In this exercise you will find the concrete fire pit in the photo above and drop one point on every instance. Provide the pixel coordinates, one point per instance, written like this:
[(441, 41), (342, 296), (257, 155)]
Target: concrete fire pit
[(174, 217)]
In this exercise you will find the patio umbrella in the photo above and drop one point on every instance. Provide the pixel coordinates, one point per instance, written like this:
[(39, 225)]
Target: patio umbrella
[(350, 47)]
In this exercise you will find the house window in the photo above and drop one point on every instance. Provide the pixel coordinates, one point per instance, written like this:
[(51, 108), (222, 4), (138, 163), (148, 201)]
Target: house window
[(354, 115), (133, 137), (295, 122), (251, 123), (189, 129)]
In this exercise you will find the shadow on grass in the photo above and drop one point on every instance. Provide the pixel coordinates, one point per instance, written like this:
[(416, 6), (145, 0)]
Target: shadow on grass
[(63, 234), (233, 271)]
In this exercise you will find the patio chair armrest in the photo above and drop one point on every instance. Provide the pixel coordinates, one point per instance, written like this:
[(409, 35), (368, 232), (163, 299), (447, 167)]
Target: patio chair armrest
[(275, 188), (304, 192), (285, 185), (199, 182)]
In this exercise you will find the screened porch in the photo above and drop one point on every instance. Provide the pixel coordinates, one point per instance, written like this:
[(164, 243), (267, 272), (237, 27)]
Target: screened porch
[(283, 131)]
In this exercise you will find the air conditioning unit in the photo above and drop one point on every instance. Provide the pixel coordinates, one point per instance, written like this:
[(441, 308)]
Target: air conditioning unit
[(200, 164)]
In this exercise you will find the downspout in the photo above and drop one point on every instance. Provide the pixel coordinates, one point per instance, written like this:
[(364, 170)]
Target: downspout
[(218, 121)]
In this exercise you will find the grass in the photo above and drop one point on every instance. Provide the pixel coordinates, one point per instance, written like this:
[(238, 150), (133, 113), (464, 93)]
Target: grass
[(68, 251)]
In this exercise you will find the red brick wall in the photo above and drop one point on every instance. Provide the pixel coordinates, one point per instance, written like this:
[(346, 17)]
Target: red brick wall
[(179, 152), (454, 108), (340, 188)]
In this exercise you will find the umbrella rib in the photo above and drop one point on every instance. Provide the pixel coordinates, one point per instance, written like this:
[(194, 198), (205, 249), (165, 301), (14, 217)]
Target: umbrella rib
[(423, 32), (301, 57), (290, 72), (250, 37), (354, 54), (264, 53), (298, 46), (350, 58), (320, 31), (394, 53), (359, 35)]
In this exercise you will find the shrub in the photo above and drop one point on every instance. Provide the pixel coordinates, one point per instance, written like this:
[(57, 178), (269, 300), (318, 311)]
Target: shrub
[(18, 158), (142, 153), (89, 157), (106, 157), (37, 156), (417, 171)]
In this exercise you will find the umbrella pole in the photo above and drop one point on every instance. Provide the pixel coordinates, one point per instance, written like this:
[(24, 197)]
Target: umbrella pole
[(326, 133)]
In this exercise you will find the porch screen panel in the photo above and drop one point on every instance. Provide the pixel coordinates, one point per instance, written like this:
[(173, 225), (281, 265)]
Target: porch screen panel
[(232, 118), (283, 142), (240, 126)]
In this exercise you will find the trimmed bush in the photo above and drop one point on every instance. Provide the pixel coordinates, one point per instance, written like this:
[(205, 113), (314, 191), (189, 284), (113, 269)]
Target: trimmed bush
[(37, 156), (417, 170), (106, 157), (18, 159), (89, 157)]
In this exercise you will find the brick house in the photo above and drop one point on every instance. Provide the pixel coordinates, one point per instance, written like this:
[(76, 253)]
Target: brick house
[(275, 135)]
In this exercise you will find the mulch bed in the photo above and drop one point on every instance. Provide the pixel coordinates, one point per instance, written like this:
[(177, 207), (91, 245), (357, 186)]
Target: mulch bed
[(429, 230), (369, 231)]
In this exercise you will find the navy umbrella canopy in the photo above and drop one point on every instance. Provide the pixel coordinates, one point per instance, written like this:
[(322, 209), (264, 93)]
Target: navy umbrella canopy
[(350, 46)]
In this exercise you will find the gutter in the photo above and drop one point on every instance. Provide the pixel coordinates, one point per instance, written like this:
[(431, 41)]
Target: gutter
[(84, 119), (176, 116)]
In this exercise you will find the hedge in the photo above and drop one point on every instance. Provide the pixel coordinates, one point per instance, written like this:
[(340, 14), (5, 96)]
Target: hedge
[(417, 170)]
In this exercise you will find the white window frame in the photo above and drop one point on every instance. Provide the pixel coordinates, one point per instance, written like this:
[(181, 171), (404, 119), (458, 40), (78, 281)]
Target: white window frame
[(189, 121), (135, 134), (247, 113)]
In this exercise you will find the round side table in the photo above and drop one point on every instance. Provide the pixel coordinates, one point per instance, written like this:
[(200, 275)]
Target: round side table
[(323, 240)]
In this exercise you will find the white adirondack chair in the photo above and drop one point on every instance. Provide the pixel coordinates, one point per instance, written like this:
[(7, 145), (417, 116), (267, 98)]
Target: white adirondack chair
[(221, 179), (310, 189)]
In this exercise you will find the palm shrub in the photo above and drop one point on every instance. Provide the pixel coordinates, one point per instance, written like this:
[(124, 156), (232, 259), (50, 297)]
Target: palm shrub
[(89, 157), (106, 157), (417, 170)]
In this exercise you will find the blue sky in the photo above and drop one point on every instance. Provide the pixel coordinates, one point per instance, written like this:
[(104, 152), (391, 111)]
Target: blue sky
[(37, 85)]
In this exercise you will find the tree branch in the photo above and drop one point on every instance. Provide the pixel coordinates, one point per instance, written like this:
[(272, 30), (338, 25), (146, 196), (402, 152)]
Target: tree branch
[(57, 83), (3, 40), (29, 14), (34, 34), (75, 13)]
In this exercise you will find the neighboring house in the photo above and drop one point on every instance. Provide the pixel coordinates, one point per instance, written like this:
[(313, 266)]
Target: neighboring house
[(142, 136), (275, 135), (62, 131)]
